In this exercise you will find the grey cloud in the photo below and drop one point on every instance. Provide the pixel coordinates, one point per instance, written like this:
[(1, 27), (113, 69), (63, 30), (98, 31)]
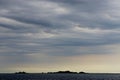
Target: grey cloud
[(49, 27), (82, 15), (38, 19)]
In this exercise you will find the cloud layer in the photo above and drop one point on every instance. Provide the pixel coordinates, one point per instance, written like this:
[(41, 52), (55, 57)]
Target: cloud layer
[(56, 28)]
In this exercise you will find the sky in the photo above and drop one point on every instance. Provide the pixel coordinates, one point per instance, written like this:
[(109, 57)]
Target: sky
[(54, 35)]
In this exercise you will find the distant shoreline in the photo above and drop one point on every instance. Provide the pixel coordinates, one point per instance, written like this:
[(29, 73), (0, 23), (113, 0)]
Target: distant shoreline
[(58, 72)]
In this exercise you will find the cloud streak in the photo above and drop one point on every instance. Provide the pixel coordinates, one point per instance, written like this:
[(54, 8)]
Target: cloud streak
[(57, 28)]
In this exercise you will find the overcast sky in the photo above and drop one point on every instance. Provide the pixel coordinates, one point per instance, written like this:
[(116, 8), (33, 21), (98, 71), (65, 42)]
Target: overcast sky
[(53, 35)]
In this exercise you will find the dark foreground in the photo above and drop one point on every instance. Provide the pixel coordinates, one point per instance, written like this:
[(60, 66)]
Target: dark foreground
[(59, 76)]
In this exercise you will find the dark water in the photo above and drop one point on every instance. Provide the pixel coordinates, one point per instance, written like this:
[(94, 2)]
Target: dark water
[(59, 76)]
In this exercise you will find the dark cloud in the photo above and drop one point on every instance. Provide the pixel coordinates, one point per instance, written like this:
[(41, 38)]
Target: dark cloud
[(37, 19), (57, 28)]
